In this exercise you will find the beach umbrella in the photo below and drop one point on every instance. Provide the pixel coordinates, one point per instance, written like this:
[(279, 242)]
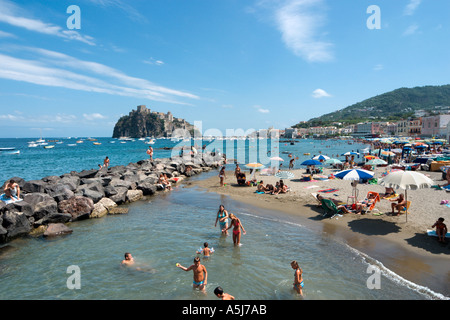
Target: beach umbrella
[(276, 159), (350, 153), (321, 157), (333, 161), (406, 180), (375, 162), (311, 162), (354, 174), (389, 171), (284, 175), (254, 165), (370, 157)]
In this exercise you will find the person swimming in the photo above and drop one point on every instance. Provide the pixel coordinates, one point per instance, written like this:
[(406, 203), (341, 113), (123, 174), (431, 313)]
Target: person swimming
[(206, 251)]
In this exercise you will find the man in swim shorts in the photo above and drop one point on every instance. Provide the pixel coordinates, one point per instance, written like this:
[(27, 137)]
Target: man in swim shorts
[(200, 274)]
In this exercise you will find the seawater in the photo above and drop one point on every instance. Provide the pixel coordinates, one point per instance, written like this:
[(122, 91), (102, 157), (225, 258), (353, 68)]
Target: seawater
[(168, 228)]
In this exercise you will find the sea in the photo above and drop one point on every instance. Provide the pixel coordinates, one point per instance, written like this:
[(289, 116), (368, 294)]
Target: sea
[(169, 227)]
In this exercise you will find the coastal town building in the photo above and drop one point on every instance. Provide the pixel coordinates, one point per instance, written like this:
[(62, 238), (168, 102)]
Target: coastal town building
[(435, 126)]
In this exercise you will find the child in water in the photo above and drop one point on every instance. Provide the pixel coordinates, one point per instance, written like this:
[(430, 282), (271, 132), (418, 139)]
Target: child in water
[(220, 294), (206, 251), (298, 277)]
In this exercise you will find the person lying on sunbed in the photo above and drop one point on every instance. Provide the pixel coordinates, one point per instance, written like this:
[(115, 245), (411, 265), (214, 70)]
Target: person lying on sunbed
[(336, 202)]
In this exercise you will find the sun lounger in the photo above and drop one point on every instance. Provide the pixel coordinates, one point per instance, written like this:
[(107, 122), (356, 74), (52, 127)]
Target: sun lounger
[(373, 201), (330, 207)]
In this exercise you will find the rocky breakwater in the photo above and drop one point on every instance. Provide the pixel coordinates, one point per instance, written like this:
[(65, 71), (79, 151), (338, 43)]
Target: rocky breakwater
[(58, 200)]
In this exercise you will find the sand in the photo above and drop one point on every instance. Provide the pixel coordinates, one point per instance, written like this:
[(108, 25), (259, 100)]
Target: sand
[(401, 244)]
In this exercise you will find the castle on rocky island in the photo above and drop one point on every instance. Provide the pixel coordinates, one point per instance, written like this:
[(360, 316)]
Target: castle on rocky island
[(143, 122)]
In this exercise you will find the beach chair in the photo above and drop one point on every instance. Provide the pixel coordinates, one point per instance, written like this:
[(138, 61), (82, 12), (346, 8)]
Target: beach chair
[(375, 200), (330, 207), (408, 203), (319, 203)]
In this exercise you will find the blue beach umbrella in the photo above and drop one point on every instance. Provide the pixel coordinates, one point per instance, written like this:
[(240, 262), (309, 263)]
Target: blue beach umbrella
[(321, 157), (354, 174), (350, 153), (311, 162)]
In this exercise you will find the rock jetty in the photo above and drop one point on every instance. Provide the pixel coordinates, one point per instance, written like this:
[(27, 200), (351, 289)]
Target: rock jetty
[(55, 200)]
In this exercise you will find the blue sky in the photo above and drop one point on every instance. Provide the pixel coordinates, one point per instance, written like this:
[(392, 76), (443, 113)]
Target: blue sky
[(232, 64)]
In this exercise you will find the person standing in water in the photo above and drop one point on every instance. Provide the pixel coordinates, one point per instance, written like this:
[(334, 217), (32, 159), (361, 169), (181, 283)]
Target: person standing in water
[(222, 176), (200, 274), (222, 217), (298, 277), (237, 226), (222, 295)]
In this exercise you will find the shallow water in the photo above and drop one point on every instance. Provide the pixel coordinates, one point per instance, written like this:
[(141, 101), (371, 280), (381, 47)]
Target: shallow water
[(168, 228)]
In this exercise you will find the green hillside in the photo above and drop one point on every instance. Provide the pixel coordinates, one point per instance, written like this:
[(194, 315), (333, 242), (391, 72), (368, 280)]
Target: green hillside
[(391, 106)]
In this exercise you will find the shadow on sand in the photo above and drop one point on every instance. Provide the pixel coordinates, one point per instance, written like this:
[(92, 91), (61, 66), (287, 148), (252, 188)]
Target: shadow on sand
[(430, 244), (373, 227)]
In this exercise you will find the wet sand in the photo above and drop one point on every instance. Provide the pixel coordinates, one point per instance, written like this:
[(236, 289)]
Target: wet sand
[(401, 246)]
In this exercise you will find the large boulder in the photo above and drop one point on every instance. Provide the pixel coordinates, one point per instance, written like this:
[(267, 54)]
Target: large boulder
[(34, 186), (134, 195), (59, 192), (118, 194), (42, 204), (57, 217), (16, 224), (78, 206), (57, 229)]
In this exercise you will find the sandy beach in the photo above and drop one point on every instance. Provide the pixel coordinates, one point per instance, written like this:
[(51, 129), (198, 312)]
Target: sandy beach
[(401, 245)]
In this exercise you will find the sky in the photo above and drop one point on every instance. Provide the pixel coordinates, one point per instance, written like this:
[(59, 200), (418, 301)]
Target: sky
[(73, 68)]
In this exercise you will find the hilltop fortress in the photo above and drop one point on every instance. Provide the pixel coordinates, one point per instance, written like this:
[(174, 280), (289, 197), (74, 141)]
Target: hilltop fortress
[(143, 122)]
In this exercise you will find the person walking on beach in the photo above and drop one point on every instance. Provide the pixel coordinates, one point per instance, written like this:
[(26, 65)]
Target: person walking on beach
[(222, 217), (200, 274), (298, 278), (237, 226), (441, 229), (291, 164), (150, 152), (222, 295), (222, 176)]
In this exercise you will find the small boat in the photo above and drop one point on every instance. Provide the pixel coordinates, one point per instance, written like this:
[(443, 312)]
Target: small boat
[(12, 152), (97, 143), (7, 149), (307, 154), (32, 145), (72, 144), (80, 141), (49, 147)]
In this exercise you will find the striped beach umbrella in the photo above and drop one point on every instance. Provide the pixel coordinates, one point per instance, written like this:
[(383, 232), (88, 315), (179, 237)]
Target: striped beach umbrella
[(321, 157)]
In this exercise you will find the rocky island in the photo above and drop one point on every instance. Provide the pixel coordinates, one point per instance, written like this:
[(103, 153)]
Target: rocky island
[(143, 122)]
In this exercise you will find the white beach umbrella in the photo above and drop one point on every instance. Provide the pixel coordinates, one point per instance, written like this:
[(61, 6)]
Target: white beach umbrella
[(284, 175), (406, 180)]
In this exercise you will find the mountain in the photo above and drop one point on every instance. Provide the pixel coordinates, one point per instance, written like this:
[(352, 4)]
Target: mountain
[(391, 106), (143, 122)]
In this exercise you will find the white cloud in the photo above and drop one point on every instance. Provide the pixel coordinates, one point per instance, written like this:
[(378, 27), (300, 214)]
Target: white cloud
[(378, 67), (56, 69), (411, 7), (94, 116), (11, 14), (412, 29), (4, 34), (153, 61), (262, 110), (300, 23), (320, 93)]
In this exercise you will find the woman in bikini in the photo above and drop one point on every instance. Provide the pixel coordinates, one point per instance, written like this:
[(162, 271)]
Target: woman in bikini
[(237, 226), (222, 176), (222, 217), (298, 277)]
